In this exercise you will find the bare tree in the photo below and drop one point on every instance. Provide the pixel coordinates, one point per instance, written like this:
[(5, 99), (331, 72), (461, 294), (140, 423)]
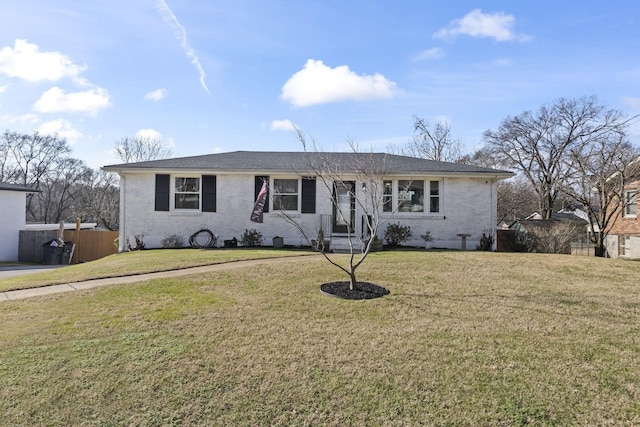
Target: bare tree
[(433, 144), (340, 178), (60, 187), (100, 199), (539, 144), (27, 158), (601, 170), (516, 199), (141, 149)]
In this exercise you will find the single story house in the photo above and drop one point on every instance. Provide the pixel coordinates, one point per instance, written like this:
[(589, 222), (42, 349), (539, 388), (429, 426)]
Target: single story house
[(218, 191), (13, 204)]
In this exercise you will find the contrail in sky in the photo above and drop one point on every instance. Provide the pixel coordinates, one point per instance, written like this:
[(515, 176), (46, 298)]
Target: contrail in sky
[(181, 34)]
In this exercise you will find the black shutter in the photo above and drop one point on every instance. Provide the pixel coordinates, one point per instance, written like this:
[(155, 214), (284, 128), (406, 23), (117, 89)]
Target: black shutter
[(208, 193), (308, 195), (162, 192), (257, 187)]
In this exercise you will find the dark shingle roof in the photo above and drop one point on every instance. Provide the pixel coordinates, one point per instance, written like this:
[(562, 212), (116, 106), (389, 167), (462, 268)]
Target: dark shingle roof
[(17, 187), (274, 161)]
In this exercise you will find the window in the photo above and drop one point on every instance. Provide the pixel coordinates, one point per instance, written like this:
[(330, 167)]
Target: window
[(410, 196), (434, 196), (387, 196), (623, 243), (631, 203), (187, 193), (285, 194)]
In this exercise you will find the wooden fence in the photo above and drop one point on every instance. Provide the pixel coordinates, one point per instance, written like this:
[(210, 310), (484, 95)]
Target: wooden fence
[(89, 244)]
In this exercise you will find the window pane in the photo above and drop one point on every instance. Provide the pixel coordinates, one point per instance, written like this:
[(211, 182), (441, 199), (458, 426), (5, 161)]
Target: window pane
[(289, 186), (187, 185), (410, 196), (187, 201), (435, 188), (434, 199), (387, 196), (632, 203), (434, 206), (285, 194), (285, 203)]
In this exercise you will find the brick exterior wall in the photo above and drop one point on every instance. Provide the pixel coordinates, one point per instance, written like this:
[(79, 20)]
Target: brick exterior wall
[(467, 205), (624, 226)]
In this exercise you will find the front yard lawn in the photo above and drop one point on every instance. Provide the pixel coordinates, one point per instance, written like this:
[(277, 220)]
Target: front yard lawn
[(464, 338)]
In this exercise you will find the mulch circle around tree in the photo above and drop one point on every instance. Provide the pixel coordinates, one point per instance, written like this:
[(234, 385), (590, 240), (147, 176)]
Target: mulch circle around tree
[(363, 290)]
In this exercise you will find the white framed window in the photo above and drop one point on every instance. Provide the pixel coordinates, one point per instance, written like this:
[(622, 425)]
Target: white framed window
[(417, 196), (285, 194), (186, 193), (410, 195), (631, 203), (387, 196), (434, 196)]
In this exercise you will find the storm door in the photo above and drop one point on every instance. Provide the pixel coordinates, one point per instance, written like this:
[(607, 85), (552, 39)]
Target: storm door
[(344, 206)]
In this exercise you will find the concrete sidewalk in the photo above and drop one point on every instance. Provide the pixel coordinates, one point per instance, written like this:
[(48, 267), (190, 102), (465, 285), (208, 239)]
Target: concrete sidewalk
[(89, 284)]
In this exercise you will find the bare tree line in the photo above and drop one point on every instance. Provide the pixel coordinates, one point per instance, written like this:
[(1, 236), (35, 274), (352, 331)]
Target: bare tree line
[(570, 152), (67, 187)]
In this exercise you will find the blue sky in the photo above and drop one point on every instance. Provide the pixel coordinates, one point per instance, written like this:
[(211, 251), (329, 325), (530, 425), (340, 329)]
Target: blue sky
[(222, 75)]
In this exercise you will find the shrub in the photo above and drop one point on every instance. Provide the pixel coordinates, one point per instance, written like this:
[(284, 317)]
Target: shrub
[(396, 234), (251, 238), (172, 241)]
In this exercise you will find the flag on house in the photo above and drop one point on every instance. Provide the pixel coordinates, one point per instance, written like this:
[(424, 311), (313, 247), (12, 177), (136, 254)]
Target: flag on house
[(258, 208)]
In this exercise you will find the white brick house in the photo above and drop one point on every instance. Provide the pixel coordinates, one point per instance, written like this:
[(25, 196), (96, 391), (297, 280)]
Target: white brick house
[(13, 213), (217, 192)]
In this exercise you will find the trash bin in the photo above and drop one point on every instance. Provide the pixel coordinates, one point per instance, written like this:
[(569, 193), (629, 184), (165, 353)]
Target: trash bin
[(51, 255)]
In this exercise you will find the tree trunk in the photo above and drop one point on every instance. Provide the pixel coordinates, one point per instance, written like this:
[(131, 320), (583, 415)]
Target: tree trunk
[(599, 249), (352, 276)]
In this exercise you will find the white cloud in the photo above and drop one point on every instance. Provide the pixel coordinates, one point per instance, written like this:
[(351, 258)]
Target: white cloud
[(631, 102), (3, 88), (25, 61), (498, 26), (282, 125), (149, 134), (317, 83), (55, 100), (156, 95), (23, 119), (435, 53), (62, 128), (181, 35)]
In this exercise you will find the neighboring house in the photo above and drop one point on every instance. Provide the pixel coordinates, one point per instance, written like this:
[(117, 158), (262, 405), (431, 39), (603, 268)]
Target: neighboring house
[(623, 237), (217, 192), (13, 204), (554, 235), (576, 215)]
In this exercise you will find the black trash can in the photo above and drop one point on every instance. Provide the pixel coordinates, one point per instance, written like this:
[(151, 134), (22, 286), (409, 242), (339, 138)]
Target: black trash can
[(51, 255)]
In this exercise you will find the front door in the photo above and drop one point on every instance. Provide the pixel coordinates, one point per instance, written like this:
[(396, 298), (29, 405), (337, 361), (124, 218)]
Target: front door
[(344, 206)]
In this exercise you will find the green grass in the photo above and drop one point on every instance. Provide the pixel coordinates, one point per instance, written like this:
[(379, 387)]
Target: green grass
[(464, 338), (139, 262)]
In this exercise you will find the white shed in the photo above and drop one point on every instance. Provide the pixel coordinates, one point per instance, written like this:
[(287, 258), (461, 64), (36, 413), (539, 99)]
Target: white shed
[(13, 213)]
